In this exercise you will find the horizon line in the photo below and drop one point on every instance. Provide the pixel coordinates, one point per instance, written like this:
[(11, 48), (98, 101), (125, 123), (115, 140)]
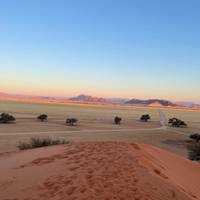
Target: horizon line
[(72, 96)]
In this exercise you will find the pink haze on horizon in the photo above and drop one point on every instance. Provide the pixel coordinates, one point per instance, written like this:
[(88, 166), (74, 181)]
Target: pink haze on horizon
[(68, 94)]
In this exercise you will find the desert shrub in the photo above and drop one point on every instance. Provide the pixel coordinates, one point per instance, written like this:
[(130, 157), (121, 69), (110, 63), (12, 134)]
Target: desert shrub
[(71, 121), (174, 122), (117, 120), (195, 137), (145, 117), (42, 117), (171, 120), (40, 142), (6, 118), (24, 145), (194, 150)]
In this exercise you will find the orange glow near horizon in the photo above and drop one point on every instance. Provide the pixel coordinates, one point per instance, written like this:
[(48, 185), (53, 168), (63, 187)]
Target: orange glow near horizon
[(26, 90)]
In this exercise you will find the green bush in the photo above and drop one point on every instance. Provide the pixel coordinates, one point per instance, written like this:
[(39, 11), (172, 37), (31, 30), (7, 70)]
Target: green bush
[(40, 142), (194, 150)]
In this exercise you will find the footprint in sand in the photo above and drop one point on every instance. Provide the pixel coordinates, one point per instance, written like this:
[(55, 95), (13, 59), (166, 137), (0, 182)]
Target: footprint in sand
[(83, 190), (73, 168), (158, 172), (90, 170), (71, 190), (67, 182)]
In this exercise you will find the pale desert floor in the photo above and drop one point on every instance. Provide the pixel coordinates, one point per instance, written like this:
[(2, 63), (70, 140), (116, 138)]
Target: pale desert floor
[(98, 171), (95, 124)]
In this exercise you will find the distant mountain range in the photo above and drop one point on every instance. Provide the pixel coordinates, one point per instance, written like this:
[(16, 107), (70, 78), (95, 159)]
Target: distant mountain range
[(188, 104), (152, 102), (86, 98)]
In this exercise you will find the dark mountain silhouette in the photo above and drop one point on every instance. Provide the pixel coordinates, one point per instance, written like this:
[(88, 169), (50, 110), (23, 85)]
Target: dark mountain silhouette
[(87, 98), (117, 100), (150, 102)]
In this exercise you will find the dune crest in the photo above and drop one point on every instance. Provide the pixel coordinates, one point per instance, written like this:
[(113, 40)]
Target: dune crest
[(98, 171)]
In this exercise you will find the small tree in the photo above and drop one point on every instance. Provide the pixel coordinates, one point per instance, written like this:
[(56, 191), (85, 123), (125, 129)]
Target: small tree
[(194, 147), (194, 150), (176, 122), (117, 120), (182, 123), (42, 117), (71, 121), (195, 137), (172, 120), (145, 118), (6, 118)]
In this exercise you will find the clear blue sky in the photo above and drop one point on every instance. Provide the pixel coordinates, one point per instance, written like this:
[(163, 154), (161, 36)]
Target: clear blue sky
[(111, 48)]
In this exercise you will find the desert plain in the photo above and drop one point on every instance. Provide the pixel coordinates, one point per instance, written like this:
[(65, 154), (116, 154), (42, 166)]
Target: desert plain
[(95, 123), (103, 161)]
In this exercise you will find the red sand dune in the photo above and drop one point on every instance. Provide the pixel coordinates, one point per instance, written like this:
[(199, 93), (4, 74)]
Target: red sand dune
[(98, 171)]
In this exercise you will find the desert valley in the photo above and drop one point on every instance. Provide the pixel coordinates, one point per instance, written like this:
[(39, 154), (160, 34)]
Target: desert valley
[(101, 160)]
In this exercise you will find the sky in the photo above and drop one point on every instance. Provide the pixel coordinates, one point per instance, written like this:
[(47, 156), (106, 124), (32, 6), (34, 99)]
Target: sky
[(109, 48)]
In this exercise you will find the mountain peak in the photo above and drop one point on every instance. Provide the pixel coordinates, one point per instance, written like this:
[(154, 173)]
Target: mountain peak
[(88, 98), (151, 102)]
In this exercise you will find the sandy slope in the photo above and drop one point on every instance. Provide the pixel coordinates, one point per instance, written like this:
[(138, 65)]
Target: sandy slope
[(98, 171)]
